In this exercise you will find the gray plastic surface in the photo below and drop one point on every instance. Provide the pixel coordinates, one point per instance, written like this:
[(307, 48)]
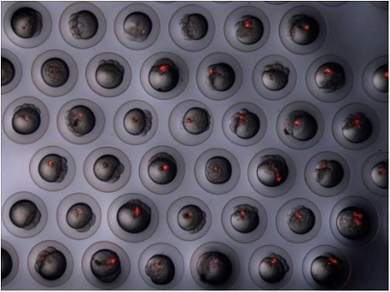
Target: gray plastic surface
[(355, 31)]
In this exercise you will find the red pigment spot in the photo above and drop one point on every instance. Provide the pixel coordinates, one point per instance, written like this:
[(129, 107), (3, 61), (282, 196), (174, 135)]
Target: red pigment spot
[(357, 215), (332, 262), (306, 27), (80, 115), (297, 122), (274, 261), (356, 122), (214, 262), (111, 261), (25, 117), (278, 178), (242, 214), (324, 166), (137, 211), (164, 68), (158, 265), (242, 118), (382, 170), (298, 215), (143, 31), (188, 215), (211, 71), (190, 120), (328, 71), (50, 163), (165, 167), (216, 168), (247, 24), (79, 211), (386, 74), (135, 119), (357, 222)]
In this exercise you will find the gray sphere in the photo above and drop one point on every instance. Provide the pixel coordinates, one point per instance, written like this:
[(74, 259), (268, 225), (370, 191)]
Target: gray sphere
[(26, 23), (301, 220), (191, 218), (162, 168), (300, 125), (303, 29), (357, 128), (194, 26), (273, 171), (80, 217), (245, 218), (26, 119), (137, 122), (106, 265), (83, 25), (328, 271), (55, 72), (249, 30), (160, 269), (273, 268), (50, 264), (80, 120), (108, 168), (330, 77), (353, 223), (134, 216), (6, 264), (137, 26), (196, 121), (218, 170), (109, 74), (25, 214), (380, 78), (7, 71), (214, 268), (380, 175), (220, 77), (275, 77), (245, 124), (53, 168)]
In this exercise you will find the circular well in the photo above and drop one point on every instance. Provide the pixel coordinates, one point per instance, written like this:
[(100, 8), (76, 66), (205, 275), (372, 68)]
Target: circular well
[(368, 208), (18, 71), (235, 17), (65, 28), (244, 237), (89, 137), (201, 76), (251, 108), (117, 229), (284, 29), (167, 250), (266, 190), (35, 40), (9, 114), (291, 141), (66, 204), (175, 28), (257, 77), (172, 218), (256, 259), (344, 113), (221, 248), (369, 164), (52, 186), (282, 221), (319, 93), (200, 171), (316, 187), (183, 75), (119, 122), (124, 260), (15, 262), (122, 35), (41, 84), (176, 124), (33, 256), (149, 183), (101, 185), (92, 67)]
